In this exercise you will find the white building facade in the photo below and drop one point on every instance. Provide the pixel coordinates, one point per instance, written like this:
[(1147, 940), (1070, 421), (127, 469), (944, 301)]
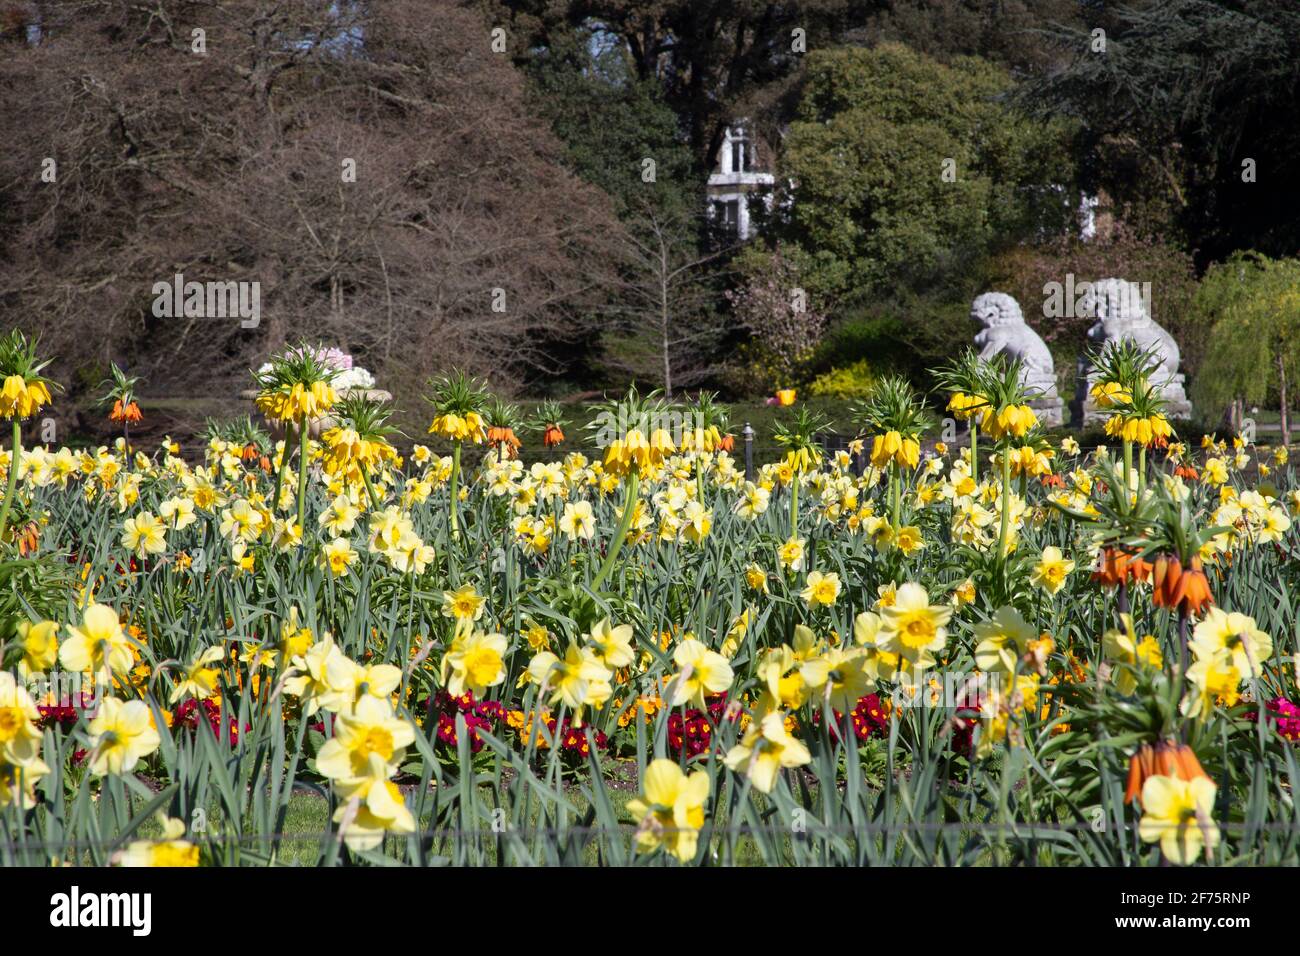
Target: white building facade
[(741, 179)]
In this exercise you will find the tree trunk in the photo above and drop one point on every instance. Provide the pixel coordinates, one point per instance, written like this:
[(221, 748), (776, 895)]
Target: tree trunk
[(667, 345), (663, 319), (1282, 401)]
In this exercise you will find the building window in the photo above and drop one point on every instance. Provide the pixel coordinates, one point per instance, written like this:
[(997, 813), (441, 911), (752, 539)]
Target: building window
[(727, 213), (740, 147)]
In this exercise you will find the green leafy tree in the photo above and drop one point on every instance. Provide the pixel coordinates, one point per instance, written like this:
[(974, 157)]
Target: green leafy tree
[(713, 59), (907, 169), (612, 122), (1254, 347), (1193, 105)]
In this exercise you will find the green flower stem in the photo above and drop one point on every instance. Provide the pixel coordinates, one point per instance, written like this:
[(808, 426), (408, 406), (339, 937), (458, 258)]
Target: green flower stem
[(895, 495), (974, 450), (1142, 470), (1128, 466), (279, 473), (302, 469), (1005, 526), (375, 503), (630, 492), (454, 487), (12, 490), (794, 505)]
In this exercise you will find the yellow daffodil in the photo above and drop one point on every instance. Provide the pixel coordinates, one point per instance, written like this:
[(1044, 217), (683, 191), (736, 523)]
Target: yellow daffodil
[(463, 604), (475, 663), (578, 679), (1051, 570), (839, 676), (170, 851), (1176, 814), (670, 809), (338, 555), (791, 554), (911, 625), (98, 645), (200, 677), (766, 749), (612, 645), (121, 735), (821, 590), (20, 738), (1236, 634), (578, 521), (40, 646), (1134, 657), (369, 742), (144, 534), (1002, 640), (702, 672)]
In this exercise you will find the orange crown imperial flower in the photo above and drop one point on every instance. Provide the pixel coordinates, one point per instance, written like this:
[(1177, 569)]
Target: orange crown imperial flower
[(1165, 759), (504, 436), (1174, 586), (1118, 566), (130, 412)]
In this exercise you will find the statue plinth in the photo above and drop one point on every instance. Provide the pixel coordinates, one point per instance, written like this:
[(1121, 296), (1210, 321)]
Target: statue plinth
[(1050, 411), (1084, 411)]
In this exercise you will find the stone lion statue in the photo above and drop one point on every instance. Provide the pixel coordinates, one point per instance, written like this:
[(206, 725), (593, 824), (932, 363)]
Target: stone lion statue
[(1122, 315), (1003, 330)]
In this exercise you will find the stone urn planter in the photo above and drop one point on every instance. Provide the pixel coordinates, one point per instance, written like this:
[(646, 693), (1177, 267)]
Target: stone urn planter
[(317, 426)]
